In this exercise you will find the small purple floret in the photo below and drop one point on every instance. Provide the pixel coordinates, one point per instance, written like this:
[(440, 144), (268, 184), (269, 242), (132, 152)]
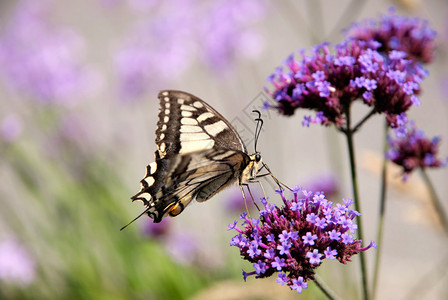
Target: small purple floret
[(411, 149), (293, 240), (378, 65)]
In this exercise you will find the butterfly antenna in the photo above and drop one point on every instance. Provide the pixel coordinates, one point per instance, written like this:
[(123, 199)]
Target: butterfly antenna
[(257, 135), (134, 220), (258, 128)]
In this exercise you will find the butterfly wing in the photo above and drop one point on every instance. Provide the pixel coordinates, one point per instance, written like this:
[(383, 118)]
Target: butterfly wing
[(198, 154), (179, 179), (188, 124)]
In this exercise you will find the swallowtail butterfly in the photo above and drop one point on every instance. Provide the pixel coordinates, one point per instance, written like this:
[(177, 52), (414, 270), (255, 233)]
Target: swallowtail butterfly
[(199, 153)]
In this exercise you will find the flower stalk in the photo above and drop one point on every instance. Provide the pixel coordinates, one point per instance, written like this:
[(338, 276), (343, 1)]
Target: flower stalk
[(379, 65), (435, 200), (325, 288), (381, 213), (351, 151)]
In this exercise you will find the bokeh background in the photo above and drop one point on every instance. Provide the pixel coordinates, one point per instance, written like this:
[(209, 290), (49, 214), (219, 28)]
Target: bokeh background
[(78, 92)]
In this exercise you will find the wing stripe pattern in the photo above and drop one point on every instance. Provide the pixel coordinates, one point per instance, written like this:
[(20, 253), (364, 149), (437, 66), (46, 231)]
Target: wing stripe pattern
[(198, 154)]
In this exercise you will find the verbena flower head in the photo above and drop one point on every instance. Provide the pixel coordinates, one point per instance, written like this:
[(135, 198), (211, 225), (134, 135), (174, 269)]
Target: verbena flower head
[(410, 35), (293, 240), (329, 83), (413, 149)]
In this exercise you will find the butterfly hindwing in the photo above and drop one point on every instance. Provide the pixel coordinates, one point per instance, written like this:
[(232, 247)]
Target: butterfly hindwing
[(197, 175), (199, 153)]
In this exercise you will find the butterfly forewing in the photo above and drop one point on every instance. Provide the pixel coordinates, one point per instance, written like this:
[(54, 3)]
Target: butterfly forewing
[(187, 124), (198, 154)]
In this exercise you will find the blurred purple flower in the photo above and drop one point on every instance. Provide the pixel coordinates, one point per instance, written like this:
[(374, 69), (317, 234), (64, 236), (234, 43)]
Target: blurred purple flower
[(412, 36), (158, 50), (226, 32), (414, 150), (11, 128), (329, 84), (326, 184), (157, 230), (161, 48), (41, 59), (16, 265), (182, 247), (235, 203), (292, 239)]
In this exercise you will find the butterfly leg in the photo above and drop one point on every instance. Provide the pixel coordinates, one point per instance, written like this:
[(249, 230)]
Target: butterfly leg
[(261, 186), (250, 193), (244, 198)]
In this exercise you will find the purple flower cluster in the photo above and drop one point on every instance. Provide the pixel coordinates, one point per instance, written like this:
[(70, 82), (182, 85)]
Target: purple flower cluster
[(330, 83), (40, 59), (294, 240), (412, 149), (377, 64), (410, 35), (163, 46)]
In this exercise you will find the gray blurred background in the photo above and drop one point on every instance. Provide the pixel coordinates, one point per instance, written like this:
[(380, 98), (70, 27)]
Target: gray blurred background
[(117, 124)]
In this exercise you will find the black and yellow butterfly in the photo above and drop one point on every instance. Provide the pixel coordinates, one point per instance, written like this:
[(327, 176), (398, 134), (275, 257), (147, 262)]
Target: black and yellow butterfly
[(198, 154)]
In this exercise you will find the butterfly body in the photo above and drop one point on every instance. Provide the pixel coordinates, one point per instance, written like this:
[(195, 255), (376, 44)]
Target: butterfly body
[(198, 154)]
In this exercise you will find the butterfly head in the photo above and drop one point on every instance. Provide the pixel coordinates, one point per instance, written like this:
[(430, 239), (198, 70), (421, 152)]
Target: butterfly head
[(251, 170)]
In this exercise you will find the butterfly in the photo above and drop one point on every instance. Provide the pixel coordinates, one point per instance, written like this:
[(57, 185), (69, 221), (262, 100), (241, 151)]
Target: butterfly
[(199, 153)]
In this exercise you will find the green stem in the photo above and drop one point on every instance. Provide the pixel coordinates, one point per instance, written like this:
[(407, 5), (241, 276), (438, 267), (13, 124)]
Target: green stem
[(325, 288), (382, 211), (357, 202), (435, 201), (371, 113)]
